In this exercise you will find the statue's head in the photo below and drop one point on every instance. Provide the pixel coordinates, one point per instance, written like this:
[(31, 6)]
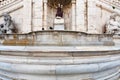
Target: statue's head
[(112, 17), (1, 26), (6, 16), (115, 17), (59, 5)]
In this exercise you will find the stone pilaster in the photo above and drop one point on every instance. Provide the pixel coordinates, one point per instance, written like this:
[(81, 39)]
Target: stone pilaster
[(81, 15), (27, 15), (92, 17), (73, 15), (37, 15), (45, 15)]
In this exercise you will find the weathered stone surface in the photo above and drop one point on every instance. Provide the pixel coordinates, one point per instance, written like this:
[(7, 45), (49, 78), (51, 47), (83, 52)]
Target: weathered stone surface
[(80, 16), (21, 63), (59, 55), (58, 38)]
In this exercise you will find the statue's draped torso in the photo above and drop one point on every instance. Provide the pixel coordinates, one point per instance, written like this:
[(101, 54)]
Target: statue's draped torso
[(59, 12)]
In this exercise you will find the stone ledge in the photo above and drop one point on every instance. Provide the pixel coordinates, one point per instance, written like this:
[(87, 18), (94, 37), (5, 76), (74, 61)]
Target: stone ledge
[(58, 69), (95, 76), (59, 48), (93, 70), (58, 60), (56, 38), (59, 51)]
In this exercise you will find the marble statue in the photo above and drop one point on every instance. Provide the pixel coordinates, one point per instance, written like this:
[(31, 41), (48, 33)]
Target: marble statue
[(8, 26), (1, 28), (113, 24), (59, 20), (59, 11)]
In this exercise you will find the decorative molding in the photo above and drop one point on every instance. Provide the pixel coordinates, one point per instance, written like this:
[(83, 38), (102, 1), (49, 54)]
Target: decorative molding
[(9, 3), (107, 7), (115, 3), (11, 7)]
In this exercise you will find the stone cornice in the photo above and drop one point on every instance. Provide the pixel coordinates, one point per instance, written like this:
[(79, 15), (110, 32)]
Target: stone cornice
[(107, 7), (115, 3), (11, 7)]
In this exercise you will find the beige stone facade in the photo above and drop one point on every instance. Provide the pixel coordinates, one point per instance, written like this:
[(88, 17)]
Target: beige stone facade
[(87, 16)]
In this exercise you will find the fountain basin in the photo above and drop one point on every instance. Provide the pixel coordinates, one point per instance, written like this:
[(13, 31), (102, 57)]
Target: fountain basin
[(57, 38), (60, 63)]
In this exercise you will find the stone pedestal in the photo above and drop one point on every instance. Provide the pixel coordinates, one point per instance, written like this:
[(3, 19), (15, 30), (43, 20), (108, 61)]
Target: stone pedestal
[(59, 24)]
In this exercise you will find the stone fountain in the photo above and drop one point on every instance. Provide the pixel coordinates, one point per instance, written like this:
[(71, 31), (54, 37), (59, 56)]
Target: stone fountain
[(56, 54)]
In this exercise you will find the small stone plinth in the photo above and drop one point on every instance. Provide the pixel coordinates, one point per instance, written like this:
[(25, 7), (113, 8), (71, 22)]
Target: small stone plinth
[(59, 24)]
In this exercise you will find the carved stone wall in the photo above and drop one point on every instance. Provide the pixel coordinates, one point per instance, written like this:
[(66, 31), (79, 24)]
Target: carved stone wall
[(87, 16)]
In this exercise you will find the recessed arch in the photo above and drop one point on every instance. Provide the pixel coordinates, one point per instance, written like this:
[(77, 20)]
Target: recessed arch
[(55, 3), (67, 12)]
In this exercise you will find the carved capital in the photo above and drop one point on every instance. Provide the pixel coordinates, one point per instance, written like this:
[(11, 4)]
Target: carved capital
[(73, 1), (45, 1)]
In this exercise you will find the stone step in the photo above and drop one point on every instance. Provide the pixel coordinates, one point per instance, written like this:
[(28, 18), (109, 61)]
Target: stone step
[(60, 66), (59, 51)]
